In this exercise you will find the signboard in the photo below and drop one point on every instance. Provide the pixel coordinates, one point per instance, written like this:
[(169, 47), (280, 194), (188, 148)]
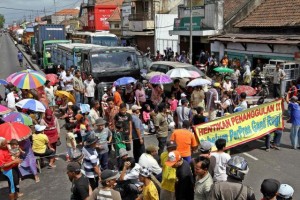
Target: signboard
[(183, 24), (242, 127)]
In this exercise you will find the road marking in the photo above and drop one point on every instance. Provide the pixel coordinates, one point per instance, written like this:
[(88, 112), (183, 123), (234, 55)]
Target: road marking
[(250, 156)]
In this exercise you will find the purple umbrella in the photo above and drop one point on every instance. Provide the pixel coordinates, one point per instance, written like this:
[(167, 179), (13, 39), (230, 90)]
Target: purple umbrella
[(160, 79)]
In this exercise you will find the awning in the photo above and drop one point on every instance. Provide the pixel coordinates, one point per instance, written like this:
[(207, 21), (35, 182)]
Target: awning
[(195, 33)]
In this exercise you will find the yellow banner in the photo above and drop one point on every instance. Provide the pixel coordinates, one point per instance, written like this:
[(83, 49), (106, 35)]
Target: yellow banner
[(242, 127)]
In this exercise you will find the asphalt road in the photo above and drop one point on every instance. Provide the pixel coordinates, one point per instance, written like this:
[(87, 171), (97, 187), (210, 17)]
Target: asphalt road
[(54, 185)]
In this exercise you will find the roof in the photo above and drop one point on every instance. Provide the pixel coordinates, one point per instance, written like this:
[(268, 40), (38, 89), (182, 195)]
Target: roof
[(115, 16), (73, 12), (273, 13), (109, 2), (231, 7), (258, 38)]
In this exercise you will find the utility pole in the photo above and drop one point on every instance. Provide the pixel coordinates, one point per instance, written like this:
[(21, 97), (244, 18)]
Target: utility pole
[(54, 10), (191, 32)]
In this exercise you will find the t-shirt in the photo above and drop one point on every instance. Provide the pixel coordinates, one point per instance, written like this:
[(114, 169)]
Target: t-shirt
[(49, 93), (184, 187), (89, 88), (148, 161), (168, 174), (243, 105), (183, 113), (94, 115), (185, 140), (150, 192), (136, 123), (117, 99), (125, 119), (68, 86), (294, 110), (173, 104), (220, 160), (211, 97), (105, 194), (90, 160), (80, 188), (227, 86), (161, 123), (199, 119), (5, 157), (69, 138), (11, 100), (140, 95), (39, 143), (133, 174), (277, 75), (62, 76), (77, 82), (103, 137)]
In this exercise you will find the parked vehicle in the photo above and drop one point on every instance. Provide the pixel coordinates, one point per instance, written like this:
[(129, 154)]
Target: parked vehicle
[(103, 38)]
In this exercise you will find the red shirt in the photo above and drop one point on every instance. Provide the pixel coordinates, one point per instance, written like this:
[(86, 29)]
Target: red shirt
[(5, 157)]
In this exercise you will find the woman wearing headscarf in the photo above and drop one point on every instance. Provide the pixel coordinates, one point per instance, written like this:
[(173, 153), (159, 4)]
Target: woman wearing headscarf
[(52, 127)]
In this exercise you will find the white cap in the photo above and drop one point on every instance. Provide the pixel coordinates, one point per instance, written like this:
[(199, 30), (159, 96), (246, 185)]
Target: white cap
[(136, 107), (285, 191), (183, 95), (70, 103), (39, 128)]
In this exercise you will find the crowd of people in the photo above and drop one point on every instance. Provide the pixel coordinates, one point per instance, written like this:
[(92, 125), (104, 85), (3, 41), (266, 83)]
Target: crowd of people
[(101, 134)]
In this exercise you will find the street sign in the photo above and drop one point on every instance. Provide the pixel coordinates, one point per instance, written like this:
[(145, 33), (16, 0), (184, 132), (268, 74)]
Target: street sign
[(183, 24)]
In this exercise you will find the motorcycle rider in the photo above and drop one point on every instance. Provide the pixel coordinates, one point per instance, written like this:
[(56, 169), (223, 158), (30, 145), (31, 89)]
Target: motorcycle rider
[(256, 78)]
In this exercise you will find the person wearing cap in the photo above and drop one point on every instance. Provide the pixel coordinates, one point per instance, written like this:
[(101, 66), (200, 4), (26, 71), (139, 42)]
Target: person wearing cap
[(161, 127), (233, 189), (91, 160), (106, 190), (137, 133), (212, 96), (104, 136), (176, 89), (89, 88), (185, 140), (41, 146), (285, 192), (149, 189), (184, 186), (169, 174), (81, 188), (183, 112), (269, 188), (204, 180), (9, 168), (147, 160), (294, 112)]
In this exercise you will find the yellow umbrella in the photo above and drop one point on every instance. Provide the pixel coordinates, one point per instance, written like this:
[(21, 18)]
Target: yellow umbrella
[(61, 94)]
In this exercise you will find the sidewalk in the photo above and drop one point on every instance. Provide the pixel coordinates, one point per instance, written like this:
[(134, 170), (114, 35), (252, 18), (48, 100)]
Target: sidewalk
[(31, 63)]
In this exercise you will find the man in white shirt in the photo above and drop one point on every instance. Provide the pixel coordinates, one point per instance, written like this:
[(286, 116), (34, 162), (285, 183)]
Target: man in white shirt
[(62, 75), (279, 75), (94, 112), (147, 160), (89, 86), (68, 82), (11, 100), (243, 103)]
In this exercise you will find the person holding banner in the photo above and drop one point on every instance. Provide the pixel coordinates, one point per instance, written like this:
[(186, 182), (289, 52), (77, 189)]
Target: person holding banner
[(294, 111)]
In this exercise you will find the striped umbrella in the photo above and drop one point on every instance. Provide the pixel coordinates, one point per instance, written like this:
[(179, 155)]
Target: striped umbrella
[(8, 79), (31, 104), (14, 130), (4, 110), (3, 82), (18, 117), (28, 79)]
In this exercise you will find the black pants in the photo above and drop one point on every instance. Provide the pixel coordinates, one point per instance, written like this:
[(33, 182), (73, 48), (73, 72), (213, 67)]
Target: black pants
[(94, 182), (138, 149), (161, 144), (276, 90), (16, 180)]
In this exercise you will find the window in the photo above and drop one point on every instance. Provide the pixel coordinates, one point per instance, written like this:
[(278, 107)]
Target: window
[(117, 25)]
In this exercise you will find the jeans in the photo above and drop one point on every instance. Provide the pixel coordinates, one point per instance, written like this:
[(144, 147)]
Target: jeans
[(161, 144), (267, 141), (78, 98), (103, 159), (138, 149), (277, 137), (295, 136)]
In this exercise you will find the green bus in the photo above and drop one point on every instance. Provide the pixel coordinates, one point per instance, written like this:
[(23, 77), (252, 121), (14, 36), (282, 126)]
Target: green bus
[(47, 47)]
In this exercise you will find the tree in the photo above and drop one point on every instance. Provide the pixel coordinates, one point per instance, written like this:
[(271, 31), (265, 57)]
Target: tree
[(2, 21)]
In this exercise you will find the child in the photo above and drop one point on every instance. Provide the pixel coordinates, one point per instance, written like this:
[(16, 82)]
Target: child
[(118, 137), (70, 141), (15, 149), (146, 114), (199, 118), (173, 104)]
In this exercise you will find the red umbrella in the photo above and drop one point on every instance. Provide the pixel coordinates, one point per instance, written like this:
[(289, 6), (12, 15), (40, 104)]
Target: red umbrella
[(52, 78), (250, 91), (14, 130)]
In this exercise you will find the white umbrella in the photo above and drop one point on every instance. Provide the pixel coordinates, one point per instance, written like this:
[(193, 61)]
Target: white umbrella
[(179, 73), (198, 82), (31, 104)]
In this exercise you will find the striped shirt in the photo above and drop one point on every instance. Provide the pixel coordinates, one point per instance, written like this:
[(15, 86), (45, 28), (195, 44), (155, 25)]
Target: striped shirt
[(90, 160), (105, 194)]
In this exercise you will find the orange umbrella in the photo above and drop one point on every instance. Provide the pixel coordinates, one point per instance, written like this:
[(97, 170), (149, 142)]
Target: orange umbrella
[(14, 130)]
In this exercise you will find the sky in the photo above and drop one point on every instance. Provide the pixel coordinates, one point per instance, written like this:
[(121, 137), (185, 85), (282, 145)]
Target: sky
[(32, 8)]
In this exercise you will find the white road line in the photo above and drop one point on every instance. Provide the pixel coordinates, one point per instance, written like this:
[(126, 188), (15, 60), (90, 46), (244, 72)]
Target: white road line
[(250, 156)]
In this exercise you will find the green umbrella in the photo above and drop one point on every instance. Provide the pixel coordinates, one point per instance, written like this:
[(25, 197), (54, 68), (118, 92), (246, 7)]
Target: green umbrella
[(224, 70)]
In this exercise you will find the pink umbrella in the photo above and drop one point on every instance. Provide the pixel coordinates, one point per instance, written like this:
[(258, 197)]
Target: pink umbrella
[(4, 110), (194, 74), (8, 79)]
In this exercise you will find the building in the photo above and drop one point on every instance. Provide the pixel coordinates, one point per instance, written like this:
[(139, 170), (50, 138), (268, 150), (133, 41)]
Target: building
[(115, 22), (63, 15)]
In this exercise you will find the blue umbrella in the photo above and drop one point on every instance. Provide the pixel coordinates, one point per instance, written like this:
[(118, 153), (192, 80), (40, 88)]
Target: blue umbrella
[(3, 82), (31, 104), (125, 81)]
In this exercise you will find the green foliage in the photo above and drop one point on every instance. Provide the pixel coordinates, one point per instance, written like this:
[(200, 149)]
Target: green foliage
[(2, 21)]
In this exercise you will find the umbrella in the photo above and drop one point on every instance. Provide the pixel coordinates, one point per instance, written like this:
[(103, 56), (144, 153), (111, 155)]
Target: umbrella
[(250, 91), (14, 130), (179, 73), (194, 74), (31, 104), (61, 94), (198, 82), (4, 110), (3, 82), (18, 117), (151, 74), (125, 81), (224, 70), (8, 79), (160, 79), (28, 79), (52, 78)]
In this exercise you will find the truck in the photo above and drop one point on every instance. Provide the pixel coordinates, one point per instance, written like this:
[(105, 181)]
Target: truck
[(44, 33)]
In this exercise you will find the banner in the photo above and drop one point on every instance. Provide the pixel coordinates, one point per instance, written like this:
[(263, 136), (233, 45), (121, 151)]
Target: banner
[(242, 127)]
